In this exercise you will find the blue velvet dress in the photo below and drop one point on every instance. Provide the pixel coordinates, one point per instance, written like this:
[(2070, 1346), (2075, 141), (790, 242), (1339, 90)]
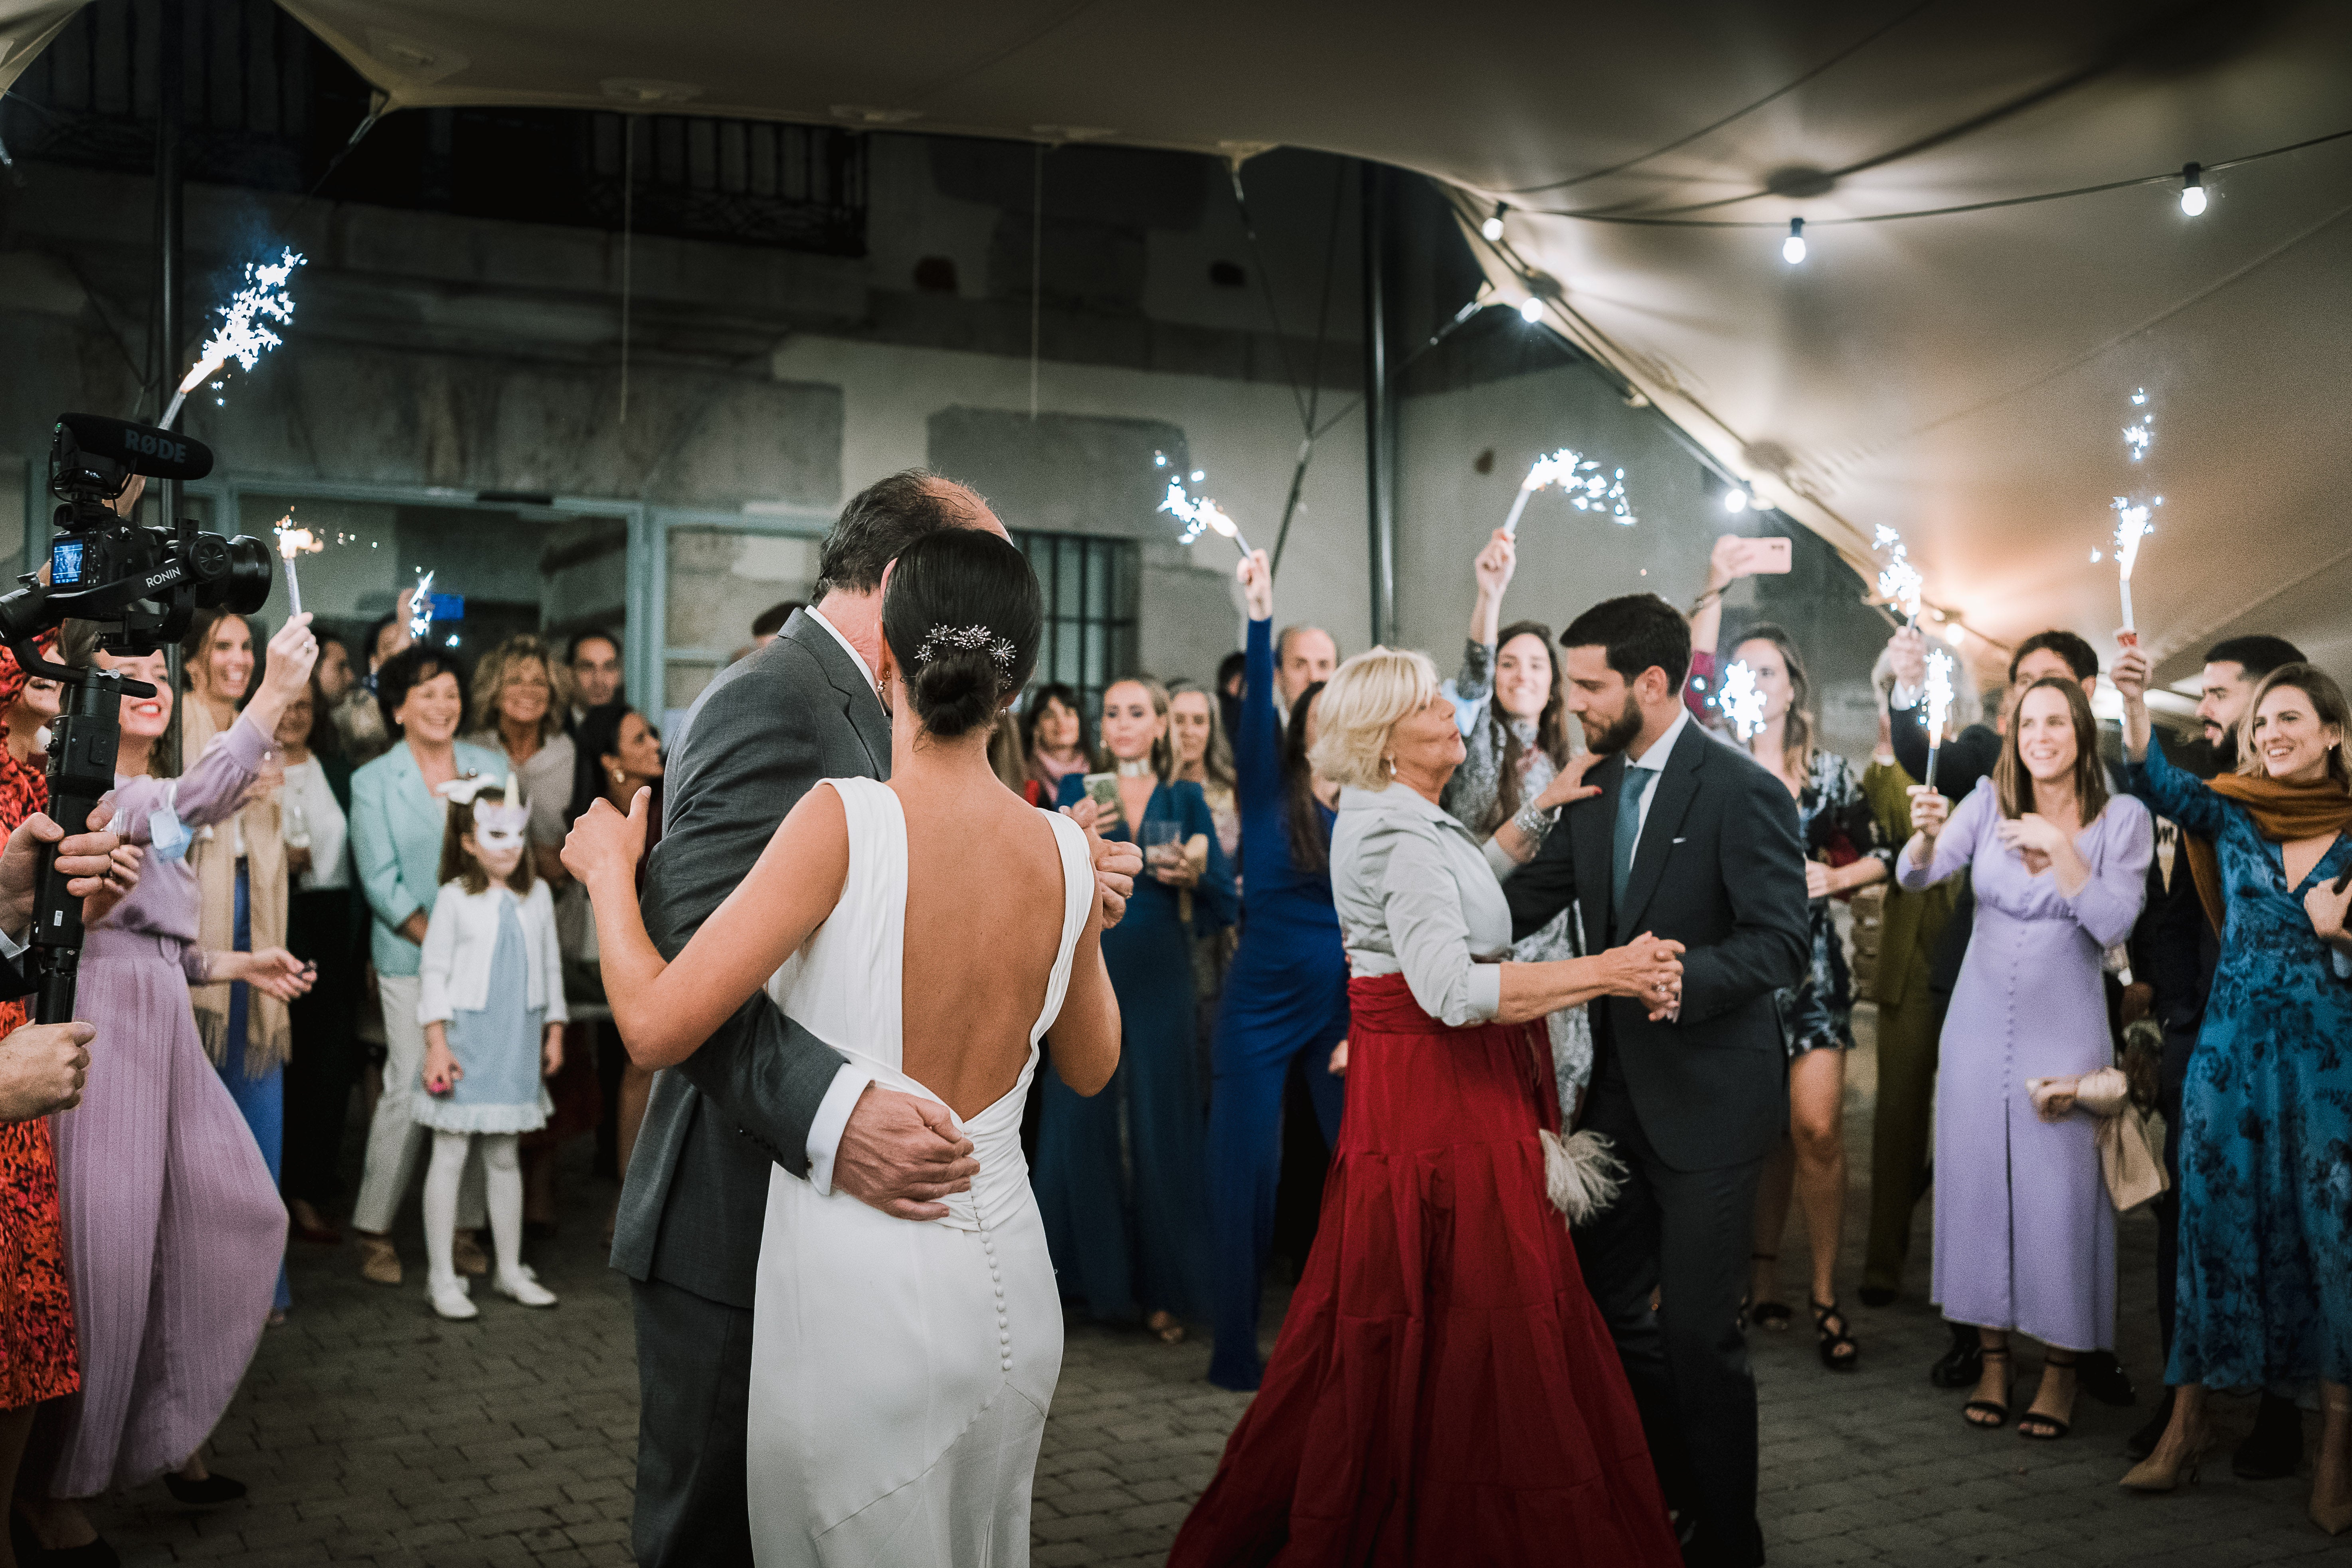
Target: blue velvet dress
[(2265, 1280), (1286, 998), (1120, 1178)]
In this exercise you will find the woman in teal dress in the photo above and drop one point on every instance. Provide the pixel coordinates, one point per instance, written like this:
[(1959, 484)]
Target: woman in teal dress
[(1122, 1178), (2265, 1280)]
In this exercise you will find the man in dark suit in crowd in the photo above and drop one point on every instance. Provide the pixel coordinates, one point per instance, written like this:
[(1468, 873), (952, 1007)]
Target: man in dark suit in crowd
[(763, 1091), (1692, 841)]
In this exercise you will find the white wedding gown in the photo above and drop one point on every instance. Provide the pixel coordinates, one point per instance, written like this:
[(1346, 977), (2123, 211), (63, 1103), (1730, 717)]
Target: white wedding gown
[(901, 1370)]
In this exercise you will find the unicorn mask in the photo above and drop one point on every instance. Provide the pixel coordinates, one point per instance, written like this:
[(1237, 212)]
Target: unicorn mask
[(498, 827)]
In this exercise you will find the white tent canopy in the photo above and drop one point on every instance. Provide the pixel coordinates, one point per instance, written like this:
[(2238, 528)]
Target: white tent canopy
[(1964, 378)]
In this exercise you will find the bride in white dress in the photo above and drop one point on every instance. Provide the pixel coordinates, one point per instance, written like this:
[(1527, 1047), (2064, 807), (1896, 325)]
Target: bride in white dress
[(932, 929)]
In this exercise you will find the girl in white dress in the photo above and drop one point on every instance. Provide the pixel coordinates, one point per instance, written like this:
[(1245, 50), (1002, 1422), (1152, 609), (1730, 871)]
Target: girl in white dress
[(932, 930)]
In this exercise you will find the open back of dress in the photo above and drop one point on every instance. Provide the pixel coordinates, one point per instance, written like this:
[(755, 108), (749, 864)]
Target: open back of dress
[(901, 1370)]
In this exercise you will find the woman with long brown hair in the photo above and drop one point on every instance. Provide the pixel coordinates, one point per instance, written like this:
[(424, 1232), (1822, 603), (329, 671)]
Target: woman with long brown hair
[(2265, 1276), (2025, 1234)]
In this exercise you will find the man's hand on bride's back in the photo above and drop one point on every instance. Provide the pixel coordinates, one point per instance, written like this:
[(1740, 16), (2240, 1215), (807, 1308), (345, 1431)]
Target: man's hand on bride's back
[(901, 1154), (1117, 863), (604, 840)]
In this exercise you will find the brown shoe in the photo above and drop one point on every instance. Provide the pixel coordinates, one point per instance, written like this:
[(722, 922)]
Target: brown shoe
[(379, 1262), (466, 1254)]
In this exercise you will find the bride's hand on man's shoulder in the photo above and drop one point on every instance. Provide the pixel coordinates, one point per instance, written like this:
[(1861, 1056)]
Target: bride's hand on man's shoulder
[(604, 840)]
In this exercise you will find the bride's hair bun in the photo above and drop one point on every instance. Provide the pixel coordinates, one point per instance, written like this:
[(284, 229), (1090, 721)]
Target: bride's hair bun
[(964, 616)]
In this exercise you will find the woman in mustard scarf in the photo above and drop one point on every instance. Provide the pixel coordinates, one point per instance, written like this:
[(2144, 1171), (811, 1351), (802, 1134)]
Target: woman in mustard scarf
[(2265, 1282)]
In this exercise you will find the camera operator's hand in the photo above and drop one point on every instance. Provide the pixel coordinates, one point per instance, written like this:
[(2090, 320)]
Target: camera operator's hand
[(41, 1068), (86, 858), (292, 652), (120, 878)]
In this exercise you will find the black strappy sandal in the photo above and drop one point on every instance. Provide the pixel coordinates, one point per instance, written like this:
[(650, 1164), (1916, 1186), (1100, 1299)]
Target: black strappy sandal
[(1838, 1351), (2040, 1425), (1774, 1315), (1987, 1414)]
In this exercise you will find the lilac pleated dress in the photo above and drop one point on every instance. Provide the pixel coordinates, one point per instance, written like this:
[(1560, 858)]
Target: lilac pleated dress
[(2026, 1236), (174, 1229)]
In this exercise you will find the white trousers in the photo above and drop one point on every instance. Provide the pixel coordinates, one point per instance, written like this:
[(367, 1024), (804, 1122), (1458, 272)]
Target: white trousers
[(395, 1137)]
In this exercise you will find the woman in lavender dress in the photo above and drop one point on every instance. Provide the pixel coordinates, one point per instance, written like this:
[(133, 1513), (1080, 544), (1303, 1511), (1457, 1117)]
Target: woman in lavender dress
[(2025, 1237), (174, 1226)]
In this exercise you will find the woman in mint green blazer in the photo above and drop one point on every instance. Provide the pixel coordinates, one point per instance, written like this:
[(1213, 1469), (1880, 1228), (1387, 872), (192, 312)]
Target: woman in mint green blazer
[(397, 824)]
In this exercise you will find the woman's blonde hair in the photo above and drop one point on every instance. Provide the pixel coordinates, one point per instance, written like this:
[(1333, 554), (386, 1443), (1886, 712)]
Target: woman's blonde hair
[(498, 668), (1163, 750), (1360, 704)]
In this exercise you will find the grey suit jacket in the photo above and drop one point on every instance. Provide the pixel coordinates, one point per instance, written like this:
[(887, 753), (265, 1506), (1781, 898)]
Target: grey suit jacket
[(768, 728), (1720, 869)]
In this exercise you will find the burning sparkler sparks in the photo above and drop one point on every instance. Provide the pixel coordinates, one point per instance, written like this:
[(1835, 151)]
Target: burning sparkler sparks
[(1899, 583), (293, 542), (420, 606), (2132, 525), (1586, 487), (1200, 514), (243, 336), (1741, 704), (1939, 707), (2140, 433)]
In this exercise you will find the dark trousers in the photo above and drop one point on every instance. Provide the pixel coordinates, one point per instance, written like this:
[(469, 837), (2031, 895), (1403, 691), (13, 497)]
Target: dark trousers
[(1686, 1235), (325, 1060), (694, 1381), (1909, 1034)]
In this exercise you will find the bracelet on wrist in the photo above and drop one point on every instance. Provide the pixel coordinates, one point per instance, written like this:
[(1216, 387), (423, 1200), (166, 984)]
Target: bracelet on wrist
[(1703, 600), (1534, 823)]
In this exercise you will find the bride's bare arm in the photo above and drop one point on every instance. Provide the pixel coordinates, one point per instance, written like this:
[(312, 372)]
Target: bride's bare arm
[(664, 1011), (1085, 1037)]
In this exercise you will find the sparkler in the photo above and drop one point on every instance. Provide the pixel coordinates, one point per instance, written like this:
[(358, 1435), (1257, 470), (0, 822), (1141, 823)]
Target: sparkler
[(1739, 701), (420, 606), (1939, 707), (1586, 487), (1200, 514), (2131, 527), (243, 336), (293, 542), (1899, 583)]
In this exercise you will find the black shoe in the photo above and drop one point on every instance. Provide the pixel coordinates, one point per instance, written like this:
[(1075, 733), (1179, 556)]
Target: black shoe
[(1963, 1365), (2103, 1377), (94, 1552), (210, 1492), (2142, 1443), (1877, 1296), (2274, 1447)]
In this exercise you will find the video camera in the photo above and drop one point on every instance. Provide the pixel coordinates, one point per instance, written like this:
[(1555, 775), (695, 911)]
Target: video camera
[(142, 586)]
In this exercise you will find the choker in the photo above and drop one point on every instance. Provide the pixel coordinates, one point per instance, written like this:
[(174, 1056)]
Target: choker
[(1136, 768)]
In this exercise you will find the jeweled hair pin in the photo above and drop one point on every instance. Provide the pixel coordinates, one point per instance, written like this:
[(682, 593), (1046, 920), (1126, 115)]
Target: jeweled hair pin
[(972, 638)]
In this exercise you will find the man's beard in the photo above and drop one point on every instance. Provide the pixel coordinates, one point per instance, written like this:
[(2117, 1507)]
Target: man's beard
[(1621, 732)]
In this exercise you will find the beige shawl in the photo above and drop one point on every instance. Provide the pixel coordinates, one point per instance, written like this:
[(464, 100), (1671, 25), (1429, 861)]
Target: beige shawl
[(269, 1034)]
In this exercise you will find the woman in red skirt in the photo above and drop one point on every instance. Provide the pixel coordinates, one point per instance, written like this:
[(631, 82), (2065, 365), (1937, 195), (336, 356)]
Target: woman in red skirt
[(1443, 1391)]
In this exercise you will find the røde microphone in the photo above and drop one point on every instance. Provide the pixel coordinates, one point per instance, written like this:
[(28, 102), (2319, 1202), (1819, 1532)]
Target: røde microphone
[(133, 448)]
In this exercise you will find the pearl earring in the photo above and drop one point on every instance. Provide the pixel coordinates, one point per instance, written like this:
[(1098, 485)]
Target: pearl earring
[(619, 776)]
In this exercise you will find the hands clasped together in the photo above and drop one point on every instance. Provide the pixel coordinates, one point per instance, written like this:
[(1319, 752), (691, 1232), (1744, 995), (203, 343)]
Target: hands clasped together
[(1649, 969)]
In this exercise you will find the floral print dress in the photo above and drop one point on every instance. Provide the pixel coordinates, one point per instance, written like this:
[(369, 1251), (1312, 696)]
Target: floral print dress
[(2265, 1280), (1839, 827)]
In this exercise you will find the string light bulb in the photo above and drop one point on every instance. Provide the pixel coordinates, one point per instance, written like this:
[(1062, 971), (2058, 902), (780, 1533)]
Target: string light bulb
[(2192, 189), (1493, 227), (1793, 249), (1531, 308), (1734, 500)]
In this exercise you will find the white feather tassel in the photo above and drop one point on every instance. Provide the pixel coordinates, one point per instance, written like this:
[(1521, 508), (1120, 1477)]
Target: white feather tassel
[(1582, 1174)]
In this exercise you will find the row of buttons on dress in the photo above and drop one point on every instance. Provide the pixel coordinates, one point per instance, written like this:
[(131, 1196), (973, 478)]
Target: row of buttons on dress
[(996, 1279)]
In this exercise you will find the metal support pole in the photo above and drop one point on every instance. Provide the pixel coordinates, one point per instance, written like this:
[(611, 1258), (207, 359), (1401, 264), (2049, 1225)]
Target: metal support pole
[(163, 348), (1379, 406)]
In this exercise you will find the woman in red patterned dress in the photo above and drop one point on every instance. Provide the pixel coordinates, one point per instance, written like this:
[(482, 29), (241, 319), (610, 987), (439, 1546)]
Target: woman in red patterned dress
[(37, 1334)]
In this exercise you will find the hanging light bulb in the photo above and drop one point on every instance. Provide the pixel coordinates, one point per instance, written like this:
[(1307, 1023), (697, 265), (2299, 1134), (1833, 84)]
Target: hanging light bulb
[(2192, 189), (1531, 308), (1793, 249), (1493, 227), (1734, 500)]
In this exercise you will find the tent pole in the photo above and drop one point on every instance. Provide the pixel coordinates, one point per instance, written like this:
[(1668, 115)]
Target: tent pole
[(1379, 406), (163, 347)]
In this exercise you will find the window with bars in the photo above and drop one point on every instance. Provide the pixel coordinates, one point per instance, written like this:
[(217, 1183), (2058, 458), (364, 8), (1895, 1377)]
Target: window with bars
[(1091, 590)]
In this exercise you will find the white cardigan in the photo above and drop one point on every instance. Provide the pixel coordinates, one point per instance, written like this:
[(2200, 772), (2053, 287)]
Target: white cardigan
[(462, 935)]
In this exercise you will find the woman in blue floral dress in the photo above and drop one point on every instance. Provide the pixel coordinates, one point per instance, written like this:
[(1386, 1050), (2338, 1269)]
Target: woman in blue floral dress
[(2265, 1282)]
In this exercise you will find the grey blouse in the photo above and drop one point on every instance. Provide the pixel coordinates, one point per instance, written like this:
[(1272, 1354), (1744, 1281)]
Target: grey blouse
[(1417, 895)]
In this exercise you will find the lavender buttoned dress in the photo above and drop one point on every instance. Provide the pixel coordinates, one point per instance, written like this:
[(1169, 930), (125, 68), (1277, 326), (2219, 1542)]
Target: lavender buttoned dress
[(174, 1229), (2025, 1237)]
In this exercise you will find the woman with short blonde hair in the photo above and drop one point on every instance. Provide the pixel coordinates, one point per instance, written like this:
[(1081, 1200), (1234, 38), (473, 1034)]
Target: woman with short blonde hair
[(1445, 1161)]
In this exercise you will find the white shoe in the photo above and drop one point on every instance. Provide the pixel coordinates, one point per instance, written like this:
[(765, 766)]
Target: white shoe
[(524, 1290), (452, 1301)]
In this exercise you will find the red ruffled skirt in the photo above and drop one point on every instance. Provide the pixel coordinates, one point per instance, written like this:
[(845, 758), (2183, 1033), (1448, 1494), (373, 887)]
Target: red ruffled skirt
[(1443, 1392), (37, 1358)]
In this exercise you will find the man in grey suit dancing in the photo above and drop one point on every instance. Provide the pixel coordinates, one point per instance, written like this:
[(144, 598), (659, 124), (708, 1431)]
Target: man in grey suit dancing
[(764, 1091), (1692, 841)]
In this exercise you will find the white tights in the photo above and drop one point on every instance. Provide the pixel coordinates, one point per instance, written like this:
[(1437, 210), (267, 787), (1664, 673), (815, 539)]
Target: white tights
[(502, 1171)]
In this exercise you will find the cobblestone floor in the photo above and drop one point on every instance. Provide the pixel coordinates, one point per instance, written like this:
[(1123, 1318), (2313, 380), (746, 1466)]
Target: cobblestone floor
[(371, 1432)]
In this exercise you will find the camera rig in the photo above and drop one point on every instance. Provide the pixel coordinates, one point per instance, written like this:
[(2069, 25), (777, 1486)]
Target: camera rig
[(142, 585)]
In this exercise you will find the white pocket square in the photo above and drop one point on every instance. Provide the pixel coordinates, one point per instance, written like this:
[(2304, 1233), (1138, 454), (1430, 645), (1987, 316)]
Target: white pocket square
[(1674, 841)]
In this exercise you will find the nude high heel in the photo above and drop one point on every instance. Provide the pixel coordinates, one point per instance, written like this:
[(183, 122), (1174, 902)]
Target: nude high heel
[(2153, 1475), (2336, 1516)]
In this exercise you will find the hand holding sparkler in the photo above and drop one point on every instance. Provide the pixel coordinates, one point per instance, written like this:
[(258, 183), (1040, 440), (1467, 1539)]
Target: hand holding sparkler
[(1200, 514), (1257, 577)]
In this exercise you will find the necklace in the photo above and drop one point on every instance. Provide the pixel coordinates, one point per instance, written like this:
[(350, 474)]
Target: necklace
[(1135, 767)]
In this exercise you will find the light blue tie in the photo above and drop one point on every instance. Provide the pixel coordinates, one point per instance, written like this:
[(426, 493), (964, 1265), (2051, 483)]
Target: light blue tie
[(1630, 796)]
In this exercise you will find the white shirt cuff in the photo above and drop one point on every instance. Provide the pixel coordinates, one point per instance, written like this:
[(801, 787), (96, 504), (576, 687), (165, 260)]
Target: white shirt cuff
[(10, 948), (832, 1120), (1485, 992)]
